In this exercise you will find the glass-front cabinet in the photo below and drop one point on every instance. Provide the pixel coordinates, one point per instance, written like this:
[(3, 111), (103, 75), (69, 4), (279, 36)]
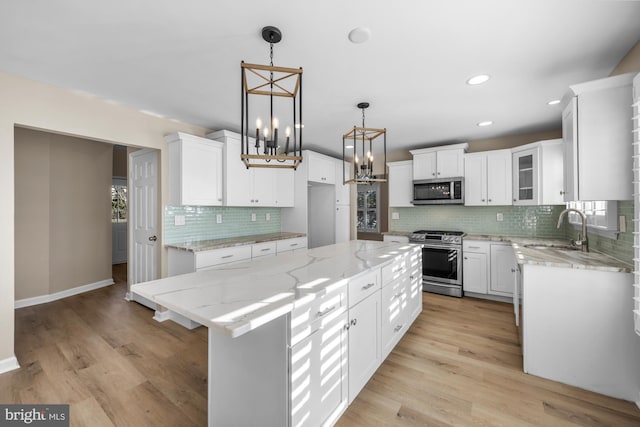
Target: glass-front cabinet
[(525, 177), (368, 209)]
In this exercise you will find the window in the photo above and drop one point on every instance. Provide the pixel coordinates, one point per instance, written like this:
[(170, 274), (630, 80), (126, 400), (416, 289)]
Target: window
[(119, 200), (368, 208), (601, 214)]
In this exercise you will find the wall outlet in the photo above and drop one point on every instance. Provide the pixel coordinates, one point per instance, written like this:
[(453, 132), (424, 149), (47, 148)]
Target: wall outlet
[(622, 224), (499, 216), (395, 215), (253, 217), (179, 220), (267, 216), (218, 218)]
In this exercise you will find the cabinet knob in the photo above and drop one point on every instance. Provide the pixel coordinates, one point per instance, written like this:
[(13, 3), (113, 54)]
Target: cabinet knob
[(562, 193), (514, 200), (483, 200), (354, 322), (438, 173), (489, 199), (466, 258), (433, 174)]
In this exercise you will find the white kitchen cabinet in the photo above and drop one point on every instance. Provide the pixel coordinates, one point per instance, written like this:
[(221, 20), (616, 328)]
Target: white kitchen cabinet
[(364, 342), (474, 272), (538, 177), (259, 250), (395, 239), (400, 183), (503, 263), (596, 133), (343, 191), (288, 245), (252, 187), (439, 162), (395, 313), (195, 170), (319, 374), (488, 180), (321, 168), (181, 261), (342, 224)]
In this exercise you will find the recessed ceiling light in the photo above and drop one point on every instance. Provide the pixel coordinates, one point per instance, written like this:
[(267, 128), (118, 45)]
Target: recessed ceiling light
[(478, 80), (553, 102), (359, 35), (486, 123)]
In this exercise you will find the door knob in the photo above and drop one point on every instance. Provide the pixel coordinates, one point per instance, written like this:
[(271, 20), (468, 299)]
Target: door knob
[(153, 238)]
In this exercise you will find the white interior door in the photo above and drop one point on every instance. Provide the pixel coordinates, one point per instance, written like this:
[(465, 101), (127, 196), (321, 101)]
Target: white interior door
[(143, 216)]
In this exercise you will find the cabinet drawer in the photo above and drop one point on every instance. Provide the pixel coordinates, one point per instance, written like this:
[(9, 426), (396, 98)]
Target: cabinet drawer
[(215, 257), (291, 244), (395, 315), (396, 269), (313, 314), (263, 249), (475, 246), (364, 285)]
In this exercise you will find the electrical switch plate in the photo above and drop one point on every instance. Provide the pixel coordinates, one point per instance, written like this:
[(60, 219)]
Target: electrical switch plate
[(268, 216), (253, 217), (395, 215), (622, 224), (179, 220), (218, 218), (499, 216)]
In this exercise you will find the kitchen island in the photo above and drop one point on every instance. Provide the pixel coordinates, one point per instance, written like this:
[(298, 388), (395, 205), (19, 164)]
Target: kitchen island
[(293, 339)]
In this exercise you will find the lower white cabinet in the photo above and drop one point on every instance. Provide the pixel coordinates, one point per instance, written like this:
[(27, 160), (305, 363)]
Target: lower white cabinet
[(183, 261), (318, 374), (488, 268), (364, 342), (395, 299), (395, 239)]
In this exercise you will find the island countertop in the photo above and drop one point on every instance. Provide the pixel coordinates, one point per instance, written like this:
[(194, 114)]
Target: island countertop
[(238, 298)]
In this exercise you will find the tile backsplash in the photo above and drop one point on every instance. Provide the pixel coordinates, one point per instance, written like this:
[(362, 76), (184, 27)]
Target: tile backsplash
[(200, 223), (527, 221)]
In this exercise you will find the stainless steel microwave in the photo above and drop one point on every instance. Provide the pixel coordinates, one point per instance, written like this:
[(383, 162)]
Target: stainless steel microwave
[(444, 191)]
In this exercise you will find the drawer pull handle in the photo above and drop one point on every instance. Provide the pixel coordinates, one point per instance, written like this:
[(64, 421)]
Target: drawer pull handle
[(293, 244), (325, 311), (227, 256), (474, 247), (398, 295), (346, 327), (397, 328), (354, 322), (368, 286), (265, 249)]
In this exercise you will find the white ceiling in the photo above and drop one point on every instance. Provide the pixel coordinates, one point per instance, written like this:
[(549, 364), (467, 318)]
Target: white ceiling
[(181, 59)]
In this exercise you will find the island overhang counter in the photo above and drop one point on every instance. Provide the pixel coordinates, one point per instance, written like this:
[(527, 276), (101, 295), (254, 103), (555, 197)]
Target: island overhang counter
[(266, 315)]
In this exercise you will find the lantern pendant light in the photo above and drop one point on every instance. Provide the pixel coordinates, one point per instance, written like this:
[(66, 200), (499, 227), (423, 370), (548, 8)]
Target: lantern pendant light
[(366, 154), (269, 89)]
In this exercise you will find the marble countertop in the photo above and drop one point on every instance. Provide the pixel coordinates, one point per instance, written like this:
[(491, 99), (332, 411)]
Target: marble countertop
[(556, 253), (238, 298), (207, 245)]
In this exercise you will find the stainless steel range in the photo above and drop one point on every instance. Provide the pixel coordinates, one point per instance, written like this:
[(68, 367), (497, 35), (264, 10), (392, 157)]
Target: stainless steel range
[(441, 260)]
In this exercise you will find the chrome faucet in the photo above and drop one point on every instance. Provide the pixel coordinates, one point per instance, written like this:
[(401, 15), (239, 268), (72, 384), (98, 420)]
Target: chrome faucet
[(582, 240)]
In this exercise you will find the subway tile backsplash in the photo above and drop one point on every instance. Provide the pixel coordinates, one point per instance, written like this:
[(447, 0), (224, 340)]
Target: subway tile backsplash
[(526, 221), (200, 223)]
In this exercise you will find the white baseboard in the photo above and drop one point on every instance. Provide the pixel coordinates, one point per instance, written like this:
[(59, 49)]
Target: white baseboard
[(9, 364), (27, 302), (128, 296)]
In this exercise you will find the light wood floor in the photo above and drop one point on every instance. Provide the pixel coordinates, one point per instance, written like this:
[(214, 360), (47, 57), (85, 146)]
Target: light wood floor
[(460, 364)]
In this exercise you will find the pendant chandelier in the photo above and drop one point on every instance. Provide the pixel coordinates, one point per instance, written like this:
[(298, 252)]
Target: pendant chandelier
[(366, 154), (269, 88)]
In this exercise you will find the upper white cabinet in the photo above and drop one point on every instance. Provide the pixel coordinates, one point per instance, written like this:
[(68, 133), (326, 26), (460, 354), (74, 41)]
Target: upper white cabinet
[(195, 170), (321, 168), (252, 187), (439, 162), (596, 130), (400, 183), (487, 178), (538, 177)]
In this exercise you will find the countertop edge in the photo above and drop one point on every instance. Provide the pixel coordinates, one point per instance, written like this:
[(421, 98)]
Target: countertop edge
[(207, 245)]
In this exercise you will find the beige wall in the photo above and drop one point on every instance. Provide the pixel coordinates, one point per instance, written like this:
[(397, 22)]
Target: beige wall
[(62, 187), (630, 62), (31, 104), (120, 161)]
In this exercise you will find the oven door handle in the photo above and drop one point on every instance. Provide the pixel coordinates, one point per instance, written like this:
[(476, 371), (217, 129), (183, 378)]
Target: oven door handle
[(429, 245)]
